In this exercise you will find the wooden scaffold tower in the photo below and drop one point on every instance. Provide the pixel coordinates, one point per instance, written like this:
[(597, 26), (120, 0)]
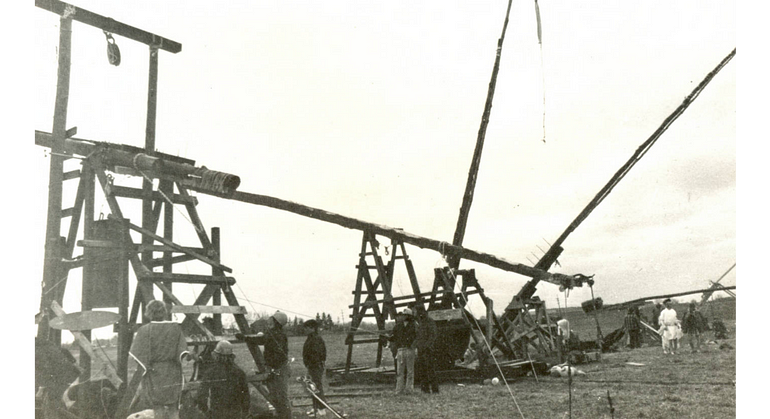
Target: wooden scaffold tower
[(108, 245)]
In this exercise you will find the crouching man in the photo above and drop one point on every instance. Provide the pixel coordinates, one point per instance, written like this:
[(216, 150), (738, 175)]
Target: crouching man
[(224, 392)]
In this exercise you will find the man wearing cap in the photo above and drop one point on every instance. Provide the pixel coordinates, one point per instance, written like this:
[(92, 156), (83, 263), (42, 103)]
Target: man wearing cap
[(668, 327), (405, 340), (277, 361), (314, 358), (224, 392), (157, 347)]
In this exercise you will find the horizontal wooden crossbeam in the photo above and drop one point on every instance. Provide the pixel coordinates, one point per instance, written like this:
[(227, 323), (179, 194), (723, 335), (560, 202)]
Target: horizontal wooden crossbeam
[(139, 248), (358, 342), (72, 174), (108, 24), (209, 309), (175, 246), (439, 295), (187, 278), (136, 193), (175, 259)]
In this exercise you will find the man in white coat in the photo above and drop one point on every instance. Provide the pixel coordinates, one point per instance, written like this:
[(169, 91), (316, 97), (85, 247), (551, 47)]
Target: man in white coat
[(668, 327)]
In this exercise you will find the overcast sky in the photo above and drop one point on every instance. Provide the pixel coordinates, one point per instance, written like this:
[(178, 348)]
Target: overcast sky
[(371, 110)]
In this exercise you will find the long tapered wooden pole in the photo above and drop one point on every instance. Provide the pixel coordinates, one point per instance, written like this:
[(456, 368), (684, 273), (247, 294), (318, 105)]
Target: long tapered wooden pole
[(473, 172)]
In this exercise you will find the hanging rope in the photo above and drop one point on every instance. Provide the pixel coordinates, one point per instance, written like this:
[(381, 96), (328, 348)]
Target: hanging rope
[(542, 68)]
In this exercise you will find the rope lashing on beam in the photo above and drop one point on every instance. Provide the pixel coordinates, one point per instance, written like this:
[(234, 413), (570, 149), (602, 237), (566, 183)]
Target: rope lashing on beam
[(210, 180), (442, 249), (69, 11)]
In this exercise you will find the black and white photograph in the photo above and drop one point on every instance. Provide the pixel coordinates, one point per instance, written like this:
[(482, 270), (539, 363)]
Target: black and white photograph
[(383, 209)]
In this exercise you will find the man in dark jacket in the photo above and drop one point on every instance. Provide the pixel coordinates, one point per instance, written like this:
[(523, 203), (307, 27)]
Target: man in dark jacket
[(277, 361), (633, 328), (405, 339), (314, 358), (693, 324), (656, 315), (426, 360), (224, 392)]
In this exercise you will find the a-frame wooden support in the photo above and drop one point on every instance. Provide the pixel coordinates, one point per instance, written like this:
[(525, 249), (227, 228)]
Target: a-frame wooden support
[(444, 297), (528, 327), (374, 291), (172, 253)]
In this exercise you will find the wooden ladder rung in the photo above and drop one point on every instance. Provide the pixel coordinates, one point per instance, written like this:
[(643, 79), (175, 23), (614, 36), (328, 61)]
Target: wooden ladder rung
[(208, 309), (358, 342), (187, 278), (73, 174)]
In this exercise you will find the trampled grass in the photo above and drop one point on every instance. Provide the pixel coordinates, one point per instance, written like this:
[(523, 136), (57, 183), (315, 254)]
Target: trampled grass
[(699, 385)]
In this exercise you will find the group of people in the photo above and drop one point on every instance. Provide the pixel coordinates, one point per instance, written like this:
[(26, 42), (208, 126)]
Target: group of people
[(160, 346), (672, 330), (413, 344), (669, 327)]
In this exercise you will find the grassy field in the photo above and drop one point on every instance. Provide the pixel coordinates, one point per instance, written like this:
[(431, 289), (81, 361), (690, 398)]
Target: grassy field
[(700, 385)]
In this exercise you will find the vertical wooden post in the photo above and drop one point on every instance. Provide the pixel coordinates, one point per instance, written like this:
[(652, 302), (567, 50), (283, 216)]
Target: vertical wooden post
[(52, 267), (88, 222), (490, 317), (149, 147), (167, 187), (152, 101), (85, 304), (410, 271), (125, 334), (217, 297)]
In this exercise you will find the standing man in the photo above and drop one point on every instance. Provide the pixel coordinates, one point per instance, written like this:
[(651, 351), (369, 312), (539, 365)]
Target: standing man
[(692, 325), (405, 340), (314, 358), (668, 327), (157, 347), (632, 328), (426, 359), (656, 315), (277, 361), (224, 392)]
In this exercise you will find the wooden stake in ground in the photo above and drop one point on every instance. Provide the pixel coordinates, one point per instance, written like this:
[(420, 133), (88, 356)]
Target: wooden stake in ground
[(569, 384)]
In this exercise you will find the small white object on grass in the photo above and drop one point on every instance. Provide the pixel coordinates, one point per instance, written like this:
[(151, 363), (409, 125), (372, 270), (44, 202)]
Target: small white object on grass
[(495, 381), (144, 414)]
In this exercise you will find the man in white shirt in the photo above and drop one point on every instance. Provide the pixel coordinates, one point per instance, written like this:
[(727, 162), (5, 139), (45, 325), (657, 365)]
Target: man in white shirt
[(668, 327)]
